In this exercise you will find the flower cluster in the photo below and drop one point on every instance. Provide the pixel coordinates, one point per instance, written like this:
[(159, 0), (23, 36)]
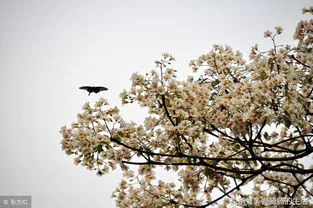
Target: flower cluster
[(89, 138)]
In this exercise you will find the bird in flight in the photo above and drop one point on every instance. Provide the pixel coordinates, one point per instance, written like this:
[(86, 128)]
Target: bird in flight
[(94, 89)]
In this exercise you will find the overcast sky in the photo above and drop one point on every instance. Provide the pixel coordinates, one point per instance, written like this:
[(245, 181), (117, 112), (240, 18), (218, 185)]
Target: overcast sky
[(50, 48)]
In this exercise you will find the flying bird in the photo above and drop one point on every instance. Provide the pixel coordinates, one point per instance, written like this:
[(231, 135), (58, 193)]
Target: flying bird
[(94, 89)]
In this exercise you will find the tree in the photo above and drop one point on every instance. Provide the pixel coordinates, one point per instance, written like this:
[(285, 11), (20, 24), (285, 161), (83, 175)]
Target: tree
[(232, 123)]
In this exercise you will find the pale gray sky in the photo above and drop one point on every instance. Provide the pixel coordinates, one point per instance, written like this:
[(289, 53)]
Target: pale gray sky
[(49, 48)]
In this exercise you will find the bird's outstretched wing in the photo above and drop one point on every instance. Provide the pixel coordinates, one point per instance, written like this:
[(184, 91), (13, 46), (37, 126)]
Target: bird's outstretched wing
[(86, 88), (99, 88)]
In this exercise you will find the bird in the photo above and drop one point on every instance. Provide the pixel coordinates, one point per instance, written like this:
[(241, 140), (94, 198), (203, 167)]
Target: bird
[(94, 89)]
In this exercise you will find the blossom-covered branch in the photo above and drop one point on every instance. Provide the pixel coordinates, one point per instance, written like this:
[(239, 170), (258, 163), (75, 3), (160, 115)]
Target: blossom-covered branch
[(229, 123)]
